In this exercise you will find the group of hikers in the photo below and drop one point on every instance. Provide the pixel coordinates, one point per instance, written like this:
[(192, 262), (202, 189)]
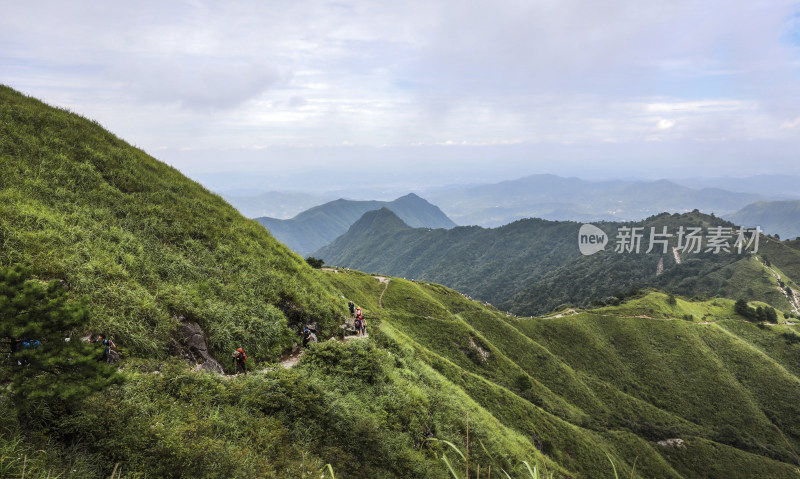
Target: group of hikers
[(239, 357), (359, 323), (17, 345)]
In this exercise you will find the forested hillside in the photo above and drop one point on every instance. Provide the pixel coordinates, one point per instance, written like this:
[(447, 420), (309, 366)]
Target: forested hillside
[(532, 266)]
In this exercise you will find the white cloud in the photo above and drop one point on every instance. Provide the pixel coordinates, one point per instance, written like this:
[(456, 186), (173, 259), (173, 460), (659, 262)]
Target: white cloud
[(704, 106), (791, 125), (665, 124), (211, 75)]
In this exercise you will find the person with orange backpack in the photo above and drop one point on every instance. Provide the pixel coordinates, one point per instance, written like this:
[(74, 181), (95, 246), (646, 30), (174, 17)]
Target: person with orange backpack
[(239, 358)]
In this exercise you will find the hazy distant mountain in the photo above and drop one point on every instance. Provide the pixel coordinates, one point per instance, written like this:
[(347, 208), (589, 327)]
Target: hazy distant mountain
[(318, 226), (275, 204), (776, 186), (781, 217), (558, 198), (531, 266)]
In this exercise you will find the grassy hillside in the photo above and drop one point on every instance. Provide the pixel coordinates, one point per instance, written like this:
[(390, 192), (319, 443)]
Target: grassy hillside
[(615, 379), (143, 242), (318, 226), (150, 248), (578, 394)]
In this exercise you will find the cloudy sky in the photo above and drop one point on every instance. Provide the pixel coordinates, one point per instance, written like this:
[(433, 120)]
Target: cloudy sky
[(293, 94)]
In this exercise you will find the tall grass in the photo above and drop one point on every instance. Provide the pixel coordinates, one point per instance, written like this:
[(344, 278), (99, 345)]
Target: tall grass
[(533, 472), (144, 243)]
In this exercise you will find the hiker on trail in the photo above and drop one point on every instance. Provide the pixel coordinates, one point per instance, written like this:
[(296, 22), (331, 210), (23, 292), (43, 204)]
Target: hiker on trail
[(107, 344), (352, 307), (360, 325), (306, 336), (239, 358), (358, 311)]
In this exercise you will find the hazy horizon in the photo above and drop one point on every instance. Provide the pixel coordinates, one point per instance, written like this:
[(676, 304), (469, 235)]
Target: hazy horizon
[(382, 96), (244, 184)]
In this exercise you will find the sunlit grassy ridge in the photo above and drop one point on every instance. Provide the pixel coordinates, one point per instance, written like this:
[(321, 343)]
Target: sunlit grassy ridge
[(145, 243), (617, 378), (784, 255)]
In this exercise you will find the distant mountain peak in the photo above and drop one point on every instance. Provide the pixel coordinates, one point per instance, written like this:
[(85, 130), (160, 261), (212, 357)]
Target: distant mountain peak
[(413, 199), (383, 217), (318, 226), (411, 195)]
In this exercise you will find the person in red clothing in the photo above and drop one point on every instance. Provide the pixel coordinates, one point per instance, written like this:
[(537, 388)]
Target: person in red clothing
[(239, 358)]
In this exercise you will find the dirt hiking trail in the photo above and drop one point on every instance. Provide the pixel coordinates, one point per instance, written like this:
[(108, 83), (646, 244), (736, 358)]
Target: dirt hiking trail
[(385, 280)]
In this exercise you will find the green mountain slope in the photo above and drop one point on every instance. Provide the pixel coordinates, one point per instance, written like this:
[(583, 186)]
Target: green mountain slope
[(532, 266), (600, 276), (150, 249), (318, 226), (486, 263), (774, 217), (615, 379), (569, 393), (146, 244)]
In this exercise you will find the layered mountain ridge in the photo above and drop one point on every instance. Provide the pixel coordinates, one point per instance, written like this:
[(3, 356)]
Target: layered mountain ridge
[(318, 226), (533, 265)]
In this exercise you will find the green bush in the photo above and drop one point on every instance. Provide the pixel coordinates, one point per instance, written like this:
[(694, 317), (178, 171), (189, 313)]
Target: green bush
[(359, 360)]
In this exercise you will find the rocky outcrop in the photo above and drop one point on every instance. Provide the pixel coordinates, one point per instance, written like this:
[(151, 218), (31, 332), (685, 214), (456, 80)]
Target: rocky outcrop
[(193, 347), (484, 354), (674, 442), (113, 357)]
